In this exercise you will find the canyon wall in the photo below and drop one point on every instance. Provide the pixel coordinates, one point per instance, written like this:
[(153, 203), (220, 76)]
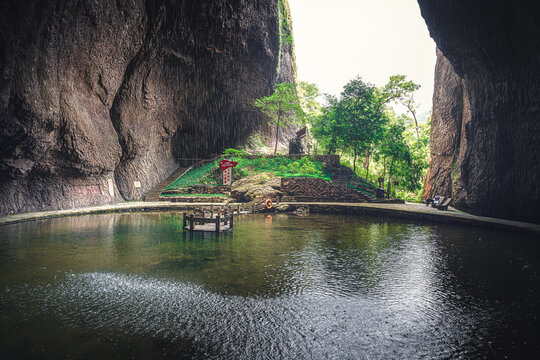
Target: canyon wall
[(98, 99), (486, 106)]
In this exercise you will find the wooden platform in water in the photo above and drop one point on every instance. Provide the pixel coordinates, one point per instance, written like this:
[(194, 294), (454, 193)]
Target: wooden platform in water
[(214, 223), (208, 228)]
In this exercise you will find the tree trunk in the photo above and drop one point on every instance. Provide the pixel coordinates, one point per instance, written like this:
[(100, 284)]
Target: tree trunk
[(354, 163), (277, 132), (367, 166), (415, 120), (389, 179), (416, 123), (384, 170)]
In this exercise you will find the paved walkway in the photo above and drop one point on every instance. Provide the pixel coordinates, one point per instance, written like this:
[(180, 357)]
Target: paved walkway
[(421, 212), (408, 211)]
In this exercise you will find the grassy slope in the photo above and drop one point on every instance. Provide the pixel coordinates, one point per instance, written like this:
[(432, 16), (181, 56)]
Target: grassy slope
[(279, 166)]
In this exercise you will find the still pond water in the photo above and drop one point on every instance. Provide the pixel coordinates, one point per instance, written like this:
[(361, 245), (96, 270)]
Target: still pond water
[(278, 287)]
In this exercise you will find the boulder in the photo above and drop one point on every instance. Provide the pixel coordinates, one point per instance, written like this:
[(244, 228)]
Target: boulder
[(262, 192), (282, 208), (274, 182), (260, 186)]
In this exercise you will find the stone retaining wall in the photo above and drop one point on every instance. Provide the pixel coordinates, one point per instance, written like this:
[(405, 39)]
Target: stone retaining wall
[(315, 189)]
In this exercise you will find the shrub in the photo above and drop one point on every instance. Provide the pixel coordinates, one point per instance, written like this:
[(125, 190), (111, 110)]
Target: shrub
[(308, 169), (235, 153), (294, 167)]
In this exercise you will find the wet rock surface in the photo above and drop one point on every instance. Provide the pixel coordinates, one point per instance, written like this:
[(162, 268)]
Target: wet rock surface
[(99, 99), (486, 111)]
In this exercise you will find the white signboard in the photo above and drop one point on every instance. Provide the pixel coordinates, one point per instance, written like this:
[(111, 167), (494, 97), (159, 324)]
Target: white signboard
[(111, 187), (227, 176)]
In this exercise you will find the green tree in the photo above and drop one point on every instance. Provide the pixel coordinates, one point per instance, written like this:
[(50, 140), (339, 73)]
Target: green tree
[(360, 114), (282, 107), (419, 148), (395, 150), (398, 89), (309, 93), (361, 122), (326, 128)]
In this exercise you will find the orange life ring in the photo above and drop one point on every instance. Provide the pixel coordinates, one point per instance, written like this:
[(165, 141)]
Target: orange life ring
[(268, 204)]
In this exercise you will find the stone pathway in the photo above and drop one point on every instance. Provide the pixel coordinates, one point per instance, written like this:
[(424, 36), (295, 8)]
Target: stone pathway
[(407, 211)]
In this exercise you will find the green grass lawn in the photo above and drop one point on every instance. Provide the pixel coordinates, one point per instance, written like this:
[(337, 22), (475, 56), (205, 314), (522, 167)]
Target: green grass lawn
[(281, 166), (194, 176)]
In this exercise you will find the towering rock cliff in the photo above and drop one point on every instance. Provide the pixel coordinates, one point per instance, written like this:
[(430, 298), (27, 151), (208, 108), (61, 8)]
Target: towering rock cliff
[(486, 110), (99, 98), (451, 114)]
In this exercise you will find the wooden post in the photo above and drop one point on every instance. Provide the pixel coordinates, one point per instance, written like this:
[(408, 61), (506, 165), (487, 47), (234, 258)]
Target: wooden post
[(191, 223), (253, 208), (239, 208), (218, 222), (184, 220), (232, 222)]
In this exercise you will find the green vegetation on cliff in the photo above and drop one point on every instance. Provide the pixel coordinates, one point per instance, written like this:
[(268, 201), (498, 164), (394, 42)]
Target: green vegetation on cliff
[(285, 34)]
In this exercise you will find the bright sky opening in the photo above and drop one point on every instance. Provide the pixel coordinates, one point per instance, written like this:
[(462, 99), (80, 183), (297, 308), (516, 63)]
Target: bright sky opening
[(336, 40)]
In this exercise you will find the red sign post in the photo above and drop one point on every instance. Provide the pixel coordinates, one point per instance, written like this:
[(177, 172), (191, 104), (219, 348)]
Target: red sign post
[(226, 166)]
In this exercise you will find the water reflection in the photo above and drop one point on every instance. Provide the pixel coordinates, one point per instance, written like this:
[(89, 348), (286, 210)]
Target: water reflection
[(277, 287)]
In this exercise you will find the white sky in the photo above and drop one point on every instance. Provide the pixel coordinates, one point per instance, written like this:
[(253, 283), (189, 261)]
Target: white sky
[(336, 40)]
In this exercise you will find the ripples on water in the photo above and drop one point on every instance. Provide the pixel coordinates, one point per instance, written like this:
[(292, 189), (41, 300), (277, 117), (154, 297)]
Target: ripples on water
[(279, 287)]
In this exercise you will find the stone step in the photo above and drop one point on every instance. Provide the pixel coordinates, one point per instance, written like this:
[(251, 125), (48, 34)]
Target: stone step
[(153, 195)]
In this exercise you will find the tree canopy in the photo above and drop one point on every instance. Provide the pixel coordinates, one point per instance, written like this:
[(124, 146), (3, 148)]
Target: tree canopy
[(361, 123), (282, 107), (398, 89), (353, 122)]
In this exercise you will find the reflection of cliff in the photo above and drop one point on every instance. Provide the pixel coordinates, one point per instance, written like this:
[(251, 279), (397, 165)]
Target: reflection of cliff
[(99, 96), (486, 110), (112, 242)]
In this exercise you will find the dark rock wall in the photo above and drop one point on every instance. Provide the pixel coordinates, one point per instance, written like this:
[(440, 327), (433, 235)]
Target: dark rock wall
[(96, 96), (450, 114), (486, 120)]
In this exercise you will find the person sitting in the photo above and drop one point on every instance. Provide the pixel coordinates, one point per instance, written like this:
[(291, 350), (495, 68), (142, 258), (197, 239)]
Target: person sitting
[(434, 200)]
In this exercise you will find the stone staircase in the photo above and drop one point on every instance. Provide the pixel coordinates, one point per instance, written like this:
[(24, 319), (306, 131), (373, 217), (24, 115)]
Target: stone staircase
[(344, 176), (153, 195), (367, 190)]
